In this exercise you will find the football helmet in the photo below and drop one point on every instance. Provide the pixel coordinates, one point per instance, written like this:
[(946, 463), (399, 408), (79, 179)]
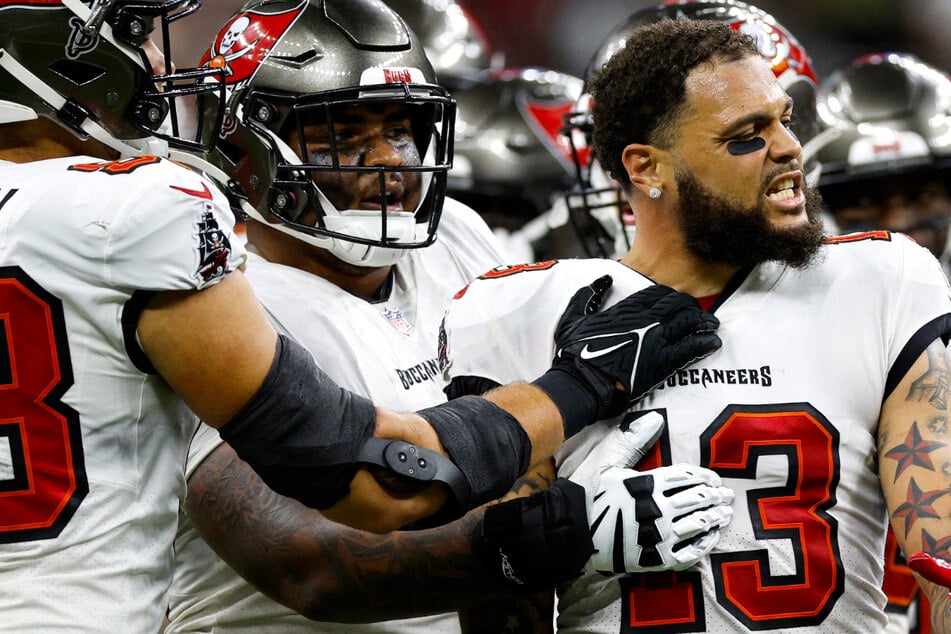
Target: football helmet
[(301, 76), (890, 113), (886, 118), (454, 41), (86, 65), (512, 164), (596, 194)]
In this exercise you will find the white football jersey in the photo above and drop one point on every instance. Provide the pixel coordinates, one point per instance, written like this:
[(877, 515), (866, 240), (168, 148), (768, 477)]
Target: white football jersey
[(785, 412), (92, 443), (385, 350)]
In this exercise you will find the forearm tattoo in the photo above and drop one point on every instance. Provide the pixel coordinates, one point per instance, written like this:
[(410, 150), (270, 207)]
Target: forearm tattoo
[(325, 570), (934, 384)]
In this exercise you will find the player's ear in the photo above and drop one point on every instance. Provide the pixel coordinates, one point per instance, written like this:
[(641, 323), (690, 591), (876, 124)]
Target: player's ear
[(646, 166)]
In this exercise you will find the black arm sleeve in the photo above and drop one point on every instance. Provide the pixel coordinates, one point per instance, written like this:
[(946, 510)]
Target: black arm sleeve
[(302, 432)]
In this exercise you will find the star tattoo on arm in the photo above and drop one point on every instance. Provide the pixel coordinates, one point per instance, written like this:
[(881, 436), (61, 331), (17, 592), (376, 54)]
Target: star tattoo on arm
[(914, 452), (918, 504), (933, 545)]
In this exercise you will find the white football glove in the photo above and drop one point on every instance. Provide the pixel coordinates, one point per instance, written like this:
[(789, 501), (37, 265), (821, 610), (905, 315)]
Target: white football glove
[(644, 521)]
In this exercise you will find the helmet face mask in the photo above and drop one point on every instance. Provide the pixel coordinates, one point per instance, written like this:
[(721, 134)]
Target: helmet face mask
[(330, 180), (597, 208), (89, 65), (350, 152)]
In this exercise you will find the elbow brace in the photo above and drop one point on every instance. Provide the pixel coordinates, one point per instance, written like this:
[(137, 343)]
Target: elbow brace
[(485, 442), (301, 432), (305, 436)]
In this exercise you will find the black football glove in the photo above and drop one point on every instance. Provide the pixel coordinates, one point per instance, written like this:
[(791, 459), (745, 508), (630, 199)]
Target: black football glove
[(620, 353)]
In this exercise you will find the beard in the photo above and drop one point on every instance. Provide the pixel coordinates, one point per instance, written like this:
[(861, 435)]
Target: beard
[(718, 231)]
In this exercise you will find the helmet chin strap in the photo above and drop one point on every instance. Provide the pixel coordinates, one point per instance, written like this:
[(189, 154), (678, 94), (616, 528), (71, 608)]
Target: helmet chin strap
[(363, 255)]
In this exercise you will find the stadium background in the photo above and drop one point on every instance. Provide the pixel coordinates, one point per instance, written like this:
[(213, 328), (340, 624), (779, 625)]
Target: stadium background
[(563, 34)]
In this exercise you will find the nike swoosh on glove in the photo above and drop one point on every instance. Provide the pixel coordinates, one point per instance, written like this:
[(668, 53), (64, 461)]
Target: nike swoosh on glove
[(624, 351), (644, 521)]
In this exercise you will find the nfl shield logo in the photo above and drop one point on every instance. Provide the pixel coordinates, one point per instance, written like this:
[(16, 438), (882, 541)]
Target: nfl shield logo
[(396, 319)]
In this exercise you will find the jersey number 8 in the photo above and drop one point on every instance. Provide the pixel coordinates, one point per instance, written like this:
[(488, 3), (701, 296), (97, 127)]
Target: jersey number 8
[(42, 469)]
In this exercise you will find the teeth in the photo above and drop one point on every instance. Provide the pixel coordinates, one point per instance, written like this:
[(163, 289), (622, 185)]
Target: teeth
[(784, 190), (782, 195)]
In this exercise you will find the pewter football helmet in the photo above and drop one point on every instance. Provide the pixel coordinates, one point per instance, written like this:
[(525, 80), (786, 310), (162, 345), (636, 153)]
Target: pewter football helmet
[(454, 41), (512, 164), (301, 69), (886, 161), (884, 113), (85, 64)]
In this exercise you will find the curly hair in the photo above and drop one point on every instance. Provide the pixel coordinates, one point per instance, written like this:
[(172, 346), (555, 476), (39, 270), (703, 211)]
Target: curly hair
[(639, 94)]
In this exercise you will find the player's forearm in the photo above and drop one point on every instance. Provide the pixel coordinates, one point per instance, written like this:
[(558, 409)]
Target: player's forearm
[(534, 410), (940, 605), (328, 571), (537, 414)]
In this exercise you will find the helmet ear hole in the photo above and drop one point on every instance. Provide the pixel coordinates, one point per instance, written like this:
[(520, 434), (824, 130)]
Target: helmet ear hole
[(77, 72)]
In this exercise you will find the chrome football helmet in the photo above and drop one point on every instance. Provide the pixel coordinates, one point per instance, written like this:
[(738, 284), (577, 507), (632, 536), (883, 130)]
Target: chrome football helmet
[(596, 194), (300, 74), (86, 65), (453, 39), (512, 164), (886, 120)]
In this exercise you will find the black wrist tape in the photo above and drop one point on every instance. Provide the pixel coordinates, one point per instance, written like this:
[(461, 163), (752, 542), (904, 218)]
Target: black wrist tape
[(536, 542), (485, 441), (301, 432), (579, 407)]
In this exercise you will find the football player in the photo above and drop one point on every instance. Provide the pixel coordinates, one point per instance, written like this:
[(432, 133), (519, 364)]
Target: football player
[(823, 411), (599, 212), (340, 168)]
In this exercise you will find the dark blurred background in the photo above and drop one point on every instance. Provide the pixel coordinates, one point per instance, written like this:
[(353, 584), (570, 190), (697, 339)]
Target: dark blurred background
[(563, 34)]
